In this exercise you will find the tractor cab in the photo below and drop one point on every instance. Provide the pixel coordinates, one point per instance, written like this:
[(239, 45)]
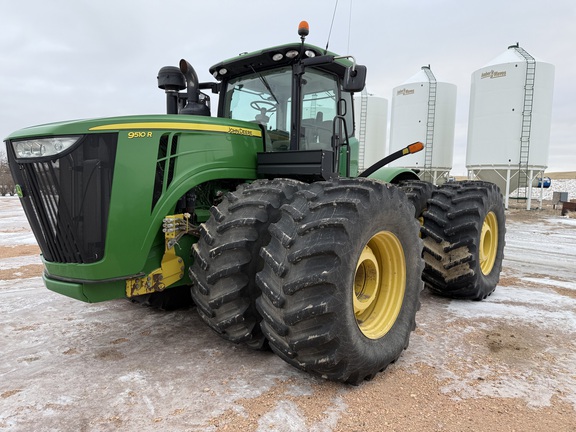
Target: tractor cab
[(301, 97), (262, 86), (266, 98)]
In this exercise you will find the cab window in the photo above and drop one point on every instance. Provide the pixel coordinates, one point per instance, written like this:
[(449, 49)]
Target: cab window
[(319, 107)]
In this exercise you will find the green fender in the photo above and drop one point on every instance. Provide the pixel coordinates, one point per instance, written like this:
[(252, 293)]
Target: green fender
[(394, 174)]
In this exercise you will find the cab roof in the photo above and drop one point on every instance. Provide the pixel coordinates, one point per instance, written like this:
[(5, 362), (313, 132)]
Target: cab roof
[(272, 58)]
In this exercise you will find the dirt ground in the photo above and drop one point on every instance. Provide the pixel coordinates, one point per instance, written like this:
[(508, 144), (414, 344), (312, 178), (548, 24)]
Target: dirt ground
[(504, 364)]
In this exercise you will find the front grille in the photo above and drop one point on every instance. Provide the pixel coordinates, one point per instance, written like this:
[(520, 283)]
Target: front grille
[(66, 198)]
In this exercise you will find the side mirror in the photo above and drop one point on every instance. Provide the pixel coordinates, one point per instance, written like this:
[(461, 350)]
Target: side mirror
[(354, 80)]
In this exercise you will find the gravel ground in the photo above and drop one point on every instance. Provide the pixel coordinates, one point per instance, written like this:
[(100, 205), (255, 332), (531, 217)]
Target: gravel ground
[(504, 364)]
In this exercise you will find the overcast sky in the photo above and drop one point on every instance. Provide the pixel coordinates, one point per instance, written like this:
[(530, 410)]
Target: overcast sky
[(69, 59)]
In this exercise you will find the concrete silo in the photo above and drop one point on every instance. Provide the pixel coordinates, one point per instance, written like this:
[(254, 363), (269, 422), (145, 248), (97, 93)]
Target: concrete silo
[(509, 122), (424, 109)]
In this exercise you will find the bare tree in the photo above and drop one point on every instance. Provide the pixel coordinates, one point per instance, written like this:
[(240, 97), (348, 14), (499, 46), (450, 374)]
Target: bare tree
[(6, 182)]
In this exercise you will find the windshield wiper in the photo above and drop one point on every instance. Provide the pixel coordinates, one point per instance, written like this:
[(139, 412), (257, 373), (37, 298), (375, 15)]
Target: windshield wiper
[(265, 82)]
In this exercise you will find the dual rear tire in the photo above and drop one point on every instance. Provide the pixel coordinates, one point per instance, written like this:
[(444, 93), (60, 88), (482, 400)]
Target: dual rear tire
[(341, 280), (328, 273), (464, 237)]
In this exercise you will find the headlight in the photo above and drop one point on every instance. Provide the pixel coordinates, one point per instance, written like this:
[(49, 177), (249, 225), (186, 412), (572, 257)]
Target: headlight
[(43, 147), (292, 54)]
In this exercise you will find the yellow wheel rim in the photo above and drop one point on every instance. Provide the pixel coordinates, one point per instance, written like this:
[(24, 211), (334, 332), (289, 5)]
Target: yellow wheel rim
[(488, 243), (379, 285)]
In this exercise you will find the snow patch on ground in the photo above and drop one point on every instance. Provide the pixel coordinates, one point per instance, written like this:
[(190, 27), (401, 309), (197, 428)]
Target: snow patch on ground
[(546, 309), (519, 342), (287, 417), (552, 282), (14, 227), (17, 238), (17, 262), (18, 285)]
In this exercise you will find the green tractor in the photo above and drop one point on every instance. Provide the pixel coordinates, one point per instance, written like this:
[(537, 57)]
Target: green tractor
[(259, 215)]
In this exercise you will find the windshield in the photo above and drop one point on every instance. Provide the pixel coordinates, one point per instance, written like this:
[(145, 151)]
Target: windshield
[(265, 98), (262, 97)]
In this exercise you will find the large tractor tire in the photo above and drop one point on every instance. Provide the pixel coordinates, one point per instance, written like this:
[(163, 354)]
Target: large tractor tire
[(464, 230), (226, 258), (418, 193), (342, 279)]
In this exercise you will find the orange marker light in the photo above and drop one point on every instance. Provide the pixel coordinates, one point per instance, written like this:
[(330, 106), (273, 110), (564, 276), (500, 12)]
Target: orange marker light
[(415, 147), (303, 29)]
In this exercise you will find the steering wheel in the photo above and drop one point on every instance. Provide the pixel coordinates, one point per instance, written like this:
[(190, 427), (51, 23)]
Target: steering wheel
[(263, 106)]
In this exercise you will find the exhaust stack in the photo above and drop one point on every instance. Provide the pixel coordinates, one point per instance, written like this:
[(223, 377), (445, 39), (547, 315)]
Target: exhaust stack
[(193, 104)]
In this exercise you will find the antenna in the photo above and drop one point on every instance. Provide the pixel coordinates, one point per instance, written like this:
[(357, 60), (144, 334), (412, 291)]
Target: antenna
[(349, 27), (332, 24)]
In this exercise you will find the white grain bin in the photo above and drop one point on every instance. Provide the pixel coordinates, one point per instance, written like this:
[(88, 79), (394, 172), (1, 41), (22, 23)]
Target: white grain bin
[(509, 121), (371, 128), (424, 109)]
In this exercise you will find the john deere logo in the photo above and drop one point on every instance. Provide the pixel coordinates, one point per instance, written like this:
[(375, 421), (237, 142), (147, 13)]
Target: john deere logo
[(241, 131), (19, 191)]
